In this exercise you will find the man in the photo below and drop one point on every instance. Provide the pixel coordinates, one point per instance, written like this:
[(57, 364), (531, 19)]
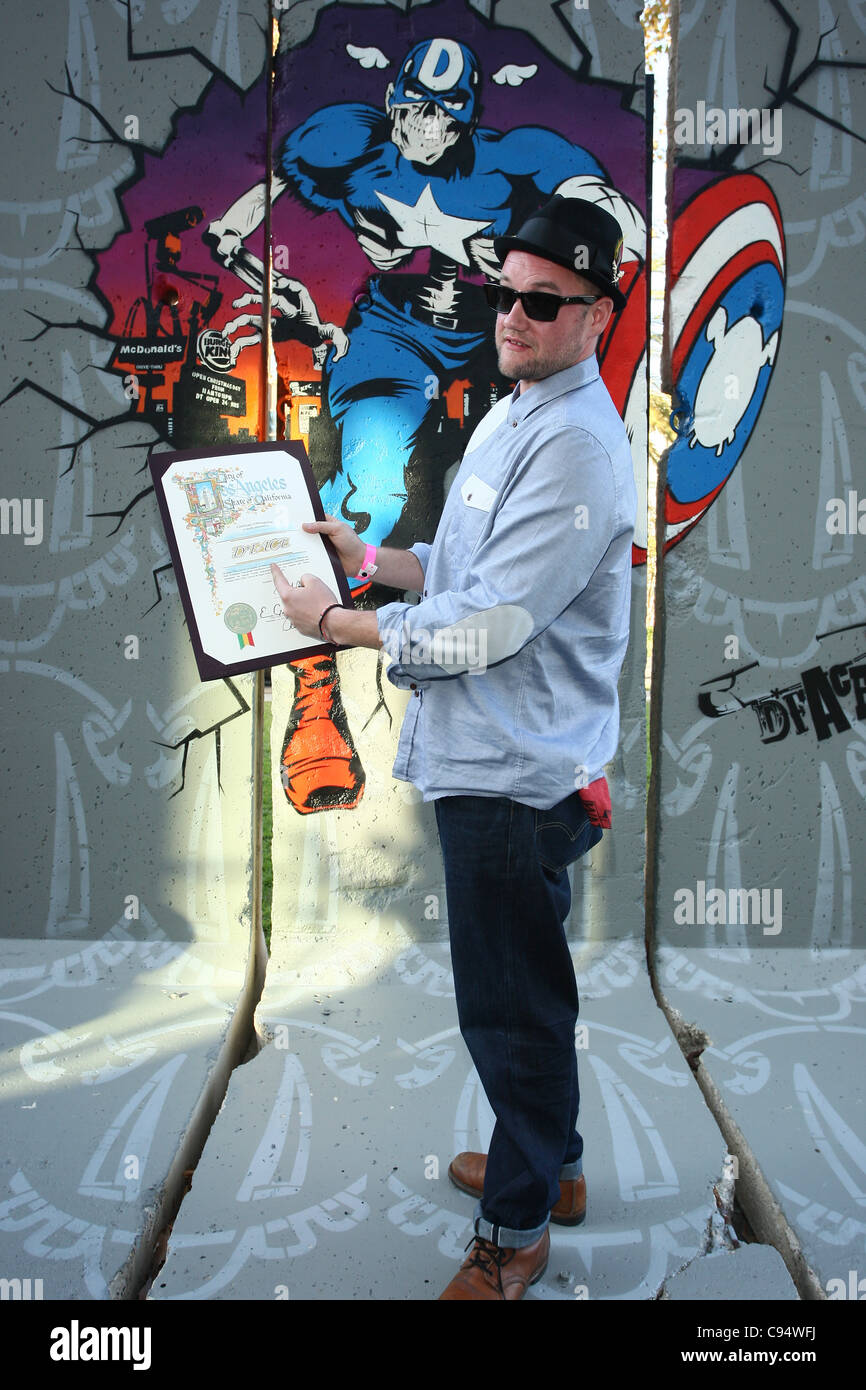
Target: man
[(512, 657)]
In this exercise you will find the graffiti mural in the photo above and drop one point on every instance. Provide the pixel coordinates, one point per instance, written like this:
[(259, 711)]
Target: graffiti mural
[(385, 204), (382, 206), (173, 307)]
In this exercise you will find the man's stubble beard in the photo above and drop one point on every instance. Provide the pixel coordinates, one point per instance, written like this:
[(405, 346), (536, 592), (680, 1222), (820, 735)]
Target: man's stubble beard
[(539, 368)]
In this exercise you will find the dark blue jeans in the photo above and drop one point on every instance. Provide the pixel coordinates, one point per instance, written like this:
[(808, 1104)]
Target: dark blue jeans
[(508, 899)]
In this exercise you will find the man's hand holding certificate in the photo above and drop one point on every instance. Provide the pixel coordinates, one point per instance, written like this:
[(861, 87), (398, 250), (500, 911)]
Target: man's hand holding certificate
[(252, 553), (307, 604)]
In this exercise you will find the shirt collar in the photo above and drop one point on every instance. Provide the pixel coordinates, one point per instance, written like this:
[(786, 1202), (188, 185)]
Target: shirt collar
[(539, 393)]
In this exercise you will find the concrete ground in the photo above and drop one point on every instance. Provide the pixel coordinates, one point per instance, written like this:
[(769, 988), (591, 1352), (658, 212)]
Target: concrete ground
[(325, 1175)]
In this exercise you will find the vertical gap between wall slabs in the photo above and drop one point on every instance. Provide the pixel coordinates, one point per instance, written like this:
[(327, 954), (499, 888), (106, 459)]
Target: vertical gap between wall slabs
[(271, 434), (767, 1220), (270, 362), (650, 179), (146, 1260), (258, 951)]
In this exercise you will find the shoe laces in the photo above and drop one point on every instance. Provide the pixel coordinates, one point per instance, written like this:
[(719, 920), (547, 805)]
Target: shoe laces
[(488, 1257)]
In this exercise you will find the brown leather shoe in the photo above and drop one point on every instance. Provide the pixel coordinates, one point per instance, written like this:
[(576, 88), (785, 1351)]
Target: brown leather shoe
[(466, 1171), (498, 1272)]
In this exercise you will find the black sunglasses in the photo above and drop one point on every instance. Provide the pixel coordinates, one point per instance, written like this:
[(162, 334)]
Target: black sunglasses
[(536, 304)]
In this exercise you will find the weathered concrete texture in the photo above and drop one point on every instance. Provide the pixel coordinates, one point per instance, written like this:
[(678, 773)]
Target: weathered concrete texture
[(751, 1274), (325, 1176), (759, 901), (785, 1057), (128, 835), (116, 1053), (108, 1079)]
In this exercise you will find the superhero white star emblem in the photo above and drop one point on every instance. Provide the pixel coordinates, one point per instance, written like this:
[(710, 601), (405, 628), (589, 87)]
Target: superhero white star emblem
[(426, 224)]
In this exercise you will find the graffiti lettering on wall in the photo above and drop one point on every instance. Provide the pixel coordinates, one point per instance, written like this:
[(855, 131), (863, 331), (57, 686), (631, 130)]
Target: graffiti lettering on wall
[(814, 701)]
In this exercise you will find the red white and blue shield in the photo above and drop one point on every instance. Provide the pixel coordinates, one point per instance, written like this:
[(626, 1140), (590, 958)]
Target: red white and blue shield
[(727, 296)]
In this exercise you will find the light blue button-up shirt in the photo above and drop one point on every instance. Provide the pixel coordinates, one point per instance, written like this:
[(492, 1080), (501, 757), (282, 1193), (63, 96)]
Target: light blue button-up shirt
[(514, 651)]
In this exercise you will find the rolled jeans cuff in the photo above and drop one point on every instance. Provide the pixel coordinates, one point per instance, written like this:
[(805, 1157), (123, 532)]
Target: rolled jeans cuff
[(504, 1235), (570, 1171)]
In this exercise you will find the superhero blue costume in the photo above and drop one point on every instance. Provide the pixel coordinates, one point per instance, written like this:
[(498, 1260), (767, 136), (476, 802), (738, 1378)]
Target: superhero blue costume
[(342, 159)]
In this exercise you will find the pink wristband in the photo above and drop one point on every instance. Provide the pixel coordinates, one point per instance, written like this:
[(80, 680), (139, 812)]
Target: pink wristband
[(369, 566)]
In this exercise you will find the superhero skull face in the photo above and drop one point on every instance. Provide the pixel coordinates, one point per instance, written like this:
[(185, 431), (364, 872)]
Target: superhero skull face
[(434, 100)]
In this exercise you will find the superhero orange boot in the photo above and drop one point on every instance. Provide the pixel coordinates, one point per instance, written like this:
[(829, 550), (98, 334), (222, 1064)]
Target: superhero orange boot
[(319, 768)]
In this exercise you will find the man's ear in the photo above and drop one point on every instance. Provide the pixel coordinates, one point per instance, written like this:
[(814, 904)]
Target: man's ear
[(389, 92), (601, 312)]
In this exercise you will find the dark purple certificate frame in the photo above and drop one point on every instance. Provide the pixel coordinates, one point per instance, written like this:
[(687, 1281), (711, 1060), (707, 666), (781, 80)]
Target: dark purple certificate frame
[(209, 668)]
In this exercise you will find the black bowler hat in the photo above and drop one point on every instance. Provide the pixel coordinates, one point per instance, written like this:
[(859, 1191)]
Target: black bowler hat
[(574, 233)]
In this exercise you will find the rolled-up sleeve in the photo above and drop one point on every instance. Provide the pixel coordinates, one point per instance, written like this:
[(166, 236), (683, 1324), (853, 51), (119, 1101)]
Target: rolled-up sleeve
[(546, 536), (421, 551)]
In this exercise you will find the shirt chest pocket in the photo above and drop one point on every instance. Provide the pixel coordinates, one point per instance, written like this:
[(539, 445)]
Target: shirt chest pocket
[(471, 514)]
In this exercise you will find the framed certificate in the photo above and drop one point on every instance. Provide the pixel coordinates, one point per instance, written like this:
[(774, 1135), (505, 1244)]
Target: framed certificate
[(228, 516)]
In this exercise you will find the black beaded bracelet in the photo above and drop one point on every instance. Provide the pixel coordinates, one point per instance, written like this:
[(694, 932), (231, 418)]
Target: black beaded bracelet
[(325, 613)]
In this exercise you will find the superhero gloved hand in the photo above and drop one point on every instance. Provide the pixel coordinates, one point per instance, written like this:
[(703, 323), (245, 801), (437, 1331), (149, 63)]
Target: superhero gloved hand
[(596, 799)]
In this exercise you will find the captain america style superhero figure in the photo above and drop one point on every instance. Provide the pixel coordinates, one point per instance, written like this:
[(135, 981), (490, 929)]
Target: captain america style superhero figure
[(418, 175), (424, 187)]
